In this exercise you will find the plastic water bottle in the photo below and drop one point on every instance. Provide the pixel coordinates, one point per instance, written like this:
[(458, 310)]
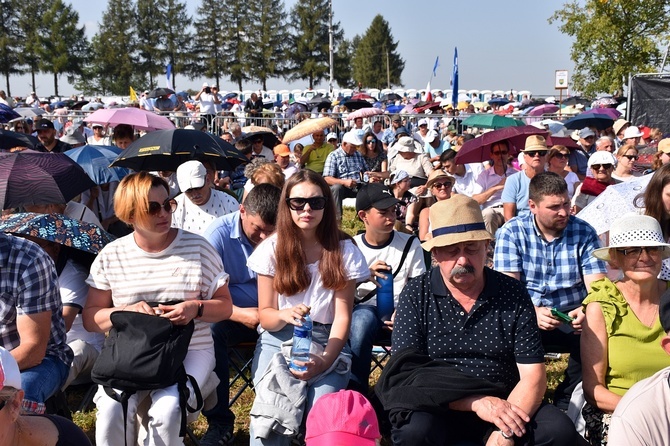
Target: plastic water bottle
[(385, 304), (302, 341)]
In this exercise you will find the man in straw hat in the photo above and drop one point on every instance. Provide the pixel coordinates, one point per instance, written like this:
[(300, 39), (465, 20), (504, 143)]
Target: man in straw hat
[(550, 252), (515, 192), (482, 325)]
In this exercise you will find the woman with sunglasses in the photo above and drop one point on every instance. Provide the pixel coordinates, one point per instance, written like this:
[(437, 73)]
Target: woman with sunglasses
[(626, 157), (374, 156), (557, 162), (621, 334), (440, 185), (155, 264), (602, 165), (309, 266)]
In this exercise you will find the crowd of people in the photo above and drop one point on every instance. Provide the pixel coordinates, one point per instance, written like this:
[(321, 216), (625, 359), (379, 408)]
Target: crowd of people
[(491, 268)]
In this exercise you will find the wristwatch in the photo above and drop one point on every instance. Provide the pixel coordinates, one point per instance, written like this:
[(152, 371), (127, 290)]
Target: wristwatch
[(201, 308)]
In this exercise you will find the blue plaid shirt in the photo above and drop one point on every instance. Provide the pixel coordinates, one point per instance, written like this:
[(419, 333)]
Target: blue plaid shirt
[(552, 271), (29, 285), (343, 166)]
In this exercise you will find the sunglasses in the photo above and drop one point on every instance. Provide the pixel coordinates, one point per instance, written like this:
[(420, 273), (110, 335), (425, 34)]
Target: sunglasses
[(630, 157), (299, 203), (501, 152), (598, 166), (3, 403), (168, 205), (637, 252), (562, 156), (371, 141), (533, 153), (444, 184)]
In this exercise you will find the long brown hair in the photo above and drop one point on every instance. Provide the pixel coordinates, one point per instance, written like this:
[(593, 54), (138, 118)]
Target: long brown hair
[(291, 275), (653, 198)]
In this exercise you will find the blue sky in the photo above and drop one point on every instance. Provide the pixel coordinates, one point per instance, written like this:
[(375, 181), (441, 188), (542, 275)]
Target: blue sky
[(502, 44)]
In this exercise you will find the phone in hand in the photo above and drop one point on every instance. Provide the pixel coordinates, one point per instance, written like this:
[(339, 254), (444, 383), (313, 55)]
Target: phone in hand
[(561, 316)]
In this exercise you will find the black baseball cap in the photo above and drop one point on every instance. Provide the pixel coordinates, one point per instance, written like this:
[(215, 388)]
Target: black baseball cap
[(44, 124), (375, 195)]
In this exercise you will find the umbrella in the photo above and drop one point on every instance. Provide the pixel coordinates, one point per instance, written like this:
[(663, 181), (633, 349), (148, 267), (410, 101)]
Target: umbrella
[(574, 100), (604, 102), (490, 121), (356, 104), (409, 108), (428, 106), (543, 109), (29, 112), (269, 138), (391, 97), (294, 109), (10, 140), (362, 97), (229, 96), (478, 150), (158, 92), (93, 106), (7, 113), (562, 141), (365, 113), (30, 177), (57, 228), (167, 149), (95, 161), (581, 121), (462, 105), (394, 108), (138, 118), (319, 102), (65, 103), (615, 201), (79, 105), (255, 128), (499, 101), (308, 127), (611, 112)]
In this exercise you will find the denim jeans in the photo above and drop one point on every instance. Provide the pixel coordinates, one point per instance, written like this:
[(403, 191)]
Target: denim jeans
[(365, 324), (42, 381), (268, 344)]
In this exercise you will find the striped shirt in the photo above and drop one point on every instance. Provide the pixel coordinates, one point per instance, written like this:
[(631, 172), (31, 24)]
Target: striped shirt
[(188, 269)]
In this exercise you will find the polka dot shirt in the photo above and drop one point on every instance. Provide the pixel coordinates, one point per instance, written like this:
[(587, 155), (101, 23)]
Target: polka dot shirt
[(499, 332)]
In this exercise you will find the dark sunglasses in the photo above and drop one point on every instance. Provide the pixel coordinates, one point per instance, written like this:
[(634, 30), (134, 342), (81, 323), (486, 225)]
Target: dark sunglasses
[(631, 157), (371, 141), (3, 403), (168, 205), (299, 203), (637, 252), (562, 156), (598, 166), (532, 153), (501, 152), (445, 184)]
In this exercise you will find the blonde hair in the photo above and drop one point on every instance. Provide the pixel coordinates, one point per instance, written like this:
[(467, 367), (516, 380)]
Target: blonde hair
[(131, 199), (269, 173)]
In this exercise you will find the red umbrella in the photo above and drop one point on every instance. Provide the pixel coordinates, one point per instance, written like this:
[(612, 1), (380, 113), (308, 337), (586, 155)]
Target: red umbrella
[(562, 141), (363, 96), (428, 106), (478, 150)]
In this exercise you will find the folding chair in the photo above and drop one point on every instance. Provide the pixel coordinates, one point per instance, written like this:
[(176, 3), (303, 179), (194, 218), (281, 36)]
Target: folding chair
[(381, 351), (240, 358)]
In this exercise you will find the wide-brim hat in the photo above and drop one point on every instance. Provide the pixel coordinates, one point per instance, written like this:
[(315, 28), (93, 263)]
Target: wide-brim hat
[(534, 143), (436, 175), (618, 125), (632, 231), (456, 220), (407, 144)]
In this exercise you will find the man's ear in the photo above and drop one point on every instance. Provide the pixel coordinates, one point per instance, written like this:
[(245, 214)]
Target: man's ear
[(532, 205)]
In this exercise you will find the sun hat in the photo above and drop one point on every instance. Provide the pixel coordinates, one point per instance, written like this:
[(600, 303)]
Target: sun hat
[(619, 124), (344, 417), (397, 176), (534, 143), (432, 136), (632, 132), (191, 175), (634, 230), (352, 137), (422, 121), (407, 144), (458, 219), (436, 175), (73, 136), (375, 195), (282, 150), (601, 157), (664, 145), (10, 376)]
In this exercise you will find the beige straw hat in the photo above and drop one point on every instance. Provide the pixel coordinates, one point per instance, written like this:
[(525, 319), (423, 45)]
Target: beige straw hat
[(456, 220)]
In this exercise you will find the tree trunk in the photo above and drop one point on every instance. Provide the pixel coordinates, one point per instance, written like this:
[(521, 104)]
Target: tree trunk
[(33, 84), (239, 85), (265, 86), (55, 84), (9, 91)]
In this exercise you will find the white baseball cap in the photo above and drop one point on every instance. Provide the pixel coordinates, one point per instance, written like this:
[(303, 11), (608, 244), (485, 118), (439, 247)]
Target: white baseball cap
[(352, 137), (431, 136), (191, 175), (10, 376)]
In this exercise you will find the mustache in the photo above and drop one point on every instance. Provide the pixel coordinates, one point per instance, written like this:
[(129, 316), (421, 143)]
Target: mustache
[(460, 270)]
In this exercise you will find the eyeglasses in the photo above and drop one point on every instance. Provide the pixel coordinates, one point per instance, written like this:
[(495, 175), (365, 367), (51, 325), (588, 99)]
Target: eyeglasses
[(598, 166), (299, 203), (533, 153), (444, 184), (630, 157), (423, 125), (2, 404), (637, 252), (562, 156), (168, 205), (371, 141), (501, 152)]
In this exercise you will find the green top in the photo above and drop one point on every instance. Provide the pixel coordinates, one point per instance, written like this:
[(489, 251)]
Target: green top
[(633, 350), (317, 158)]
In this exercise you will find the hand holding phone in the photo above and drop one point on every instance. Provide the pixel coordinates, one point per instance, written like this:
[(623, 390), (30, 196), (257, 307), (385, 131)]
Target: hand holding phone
[(561, 316)]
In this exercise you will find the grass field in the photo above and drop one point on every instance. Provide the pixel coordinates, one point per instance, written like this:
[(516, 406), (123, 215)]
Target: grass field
[(242, 407)]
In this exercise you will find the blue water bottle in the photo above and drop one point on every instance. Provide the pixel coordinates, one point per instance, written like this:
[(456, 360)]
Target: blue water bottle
[(385, 304), (302, 341)]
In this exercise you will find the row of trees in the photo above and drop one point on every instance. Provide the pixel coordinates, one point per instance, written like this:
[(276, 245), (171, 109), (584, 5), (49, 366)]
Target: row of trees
[(241, 40)]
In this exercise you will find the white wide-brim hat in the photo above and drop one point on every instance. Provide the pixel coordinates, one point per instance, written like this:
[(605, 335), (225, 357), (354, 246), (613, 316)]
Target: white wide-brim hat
[(633, 231)]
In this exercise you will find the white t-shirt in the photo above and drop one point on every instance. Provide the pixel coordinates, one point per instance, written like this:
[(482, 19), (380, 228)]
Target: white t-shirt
[(320, 299), (193, 218), (73, 292), (188, 269), (207, 106)]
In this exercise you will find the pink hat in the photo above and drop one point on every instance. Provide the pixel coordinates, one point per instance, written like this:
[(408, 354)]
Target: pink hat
[(345, 417), (10, 376)]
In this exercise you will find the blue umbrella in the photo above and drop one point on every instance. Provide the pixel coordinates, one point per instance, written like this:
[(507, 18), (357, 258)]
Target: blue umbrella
[(95, 161), (499, 101), (230, 96), (394, 108), (600, 122), (7, 113)]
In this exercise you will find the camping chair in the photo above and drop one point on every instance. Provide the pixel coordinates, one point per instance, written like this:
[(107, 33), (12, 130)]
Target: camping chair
[(240, 361)]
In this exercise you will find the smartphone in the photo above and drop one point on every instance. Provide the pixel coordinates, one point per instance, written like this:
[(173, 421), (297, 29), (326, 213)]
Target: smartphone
[(561, 316)]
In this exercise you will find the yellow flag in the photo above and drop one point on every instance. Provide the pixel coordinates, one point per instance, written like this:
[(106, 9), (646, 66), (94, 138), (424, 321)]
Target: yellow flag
[(133, 95)]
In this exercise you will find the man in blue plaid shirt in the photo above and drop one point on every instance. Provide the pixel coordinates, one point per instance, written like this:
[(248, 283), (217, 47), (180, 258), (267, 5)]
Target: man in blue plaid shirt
[(31, 320), (343, 169), (550, 252)]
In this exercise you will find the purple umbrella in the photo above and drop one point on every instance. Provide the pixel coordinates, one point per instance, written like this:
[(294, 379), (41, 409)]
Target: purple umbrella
[(7, 113), (543, 109), (611, 112)]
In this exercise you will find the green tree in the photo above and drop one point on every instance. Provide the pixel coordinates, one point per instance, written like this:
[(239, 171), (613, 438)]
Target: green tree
[(235, 21), (64, 46), (376, 61), (309, 45), (31, 28), (343, 73), (613, 38), (177, 36), (208, 43), (150, 49), (266, 36), (10, 38)]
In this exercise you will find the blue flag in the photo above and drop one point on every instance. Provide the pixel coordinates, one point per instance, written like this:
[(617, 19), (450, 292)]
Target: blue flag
[(168, 75), (454, 80), (437, 64)]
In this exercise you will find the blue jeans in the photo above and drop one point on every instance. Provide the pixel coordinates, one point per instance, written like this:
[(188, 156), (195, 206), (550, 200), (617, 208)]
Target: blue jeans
[(365, 324), (42, 381), (226, 334), (268, 344)]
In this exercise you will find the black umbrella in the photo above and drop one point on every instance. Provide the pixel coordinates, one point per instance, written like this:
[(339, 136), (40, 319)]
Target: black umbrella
[(356, 104), (574, 100), (158, 92), (30, 177), (269, 139), (9, 140), (391, 97), (167, 149), (319, 102)]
